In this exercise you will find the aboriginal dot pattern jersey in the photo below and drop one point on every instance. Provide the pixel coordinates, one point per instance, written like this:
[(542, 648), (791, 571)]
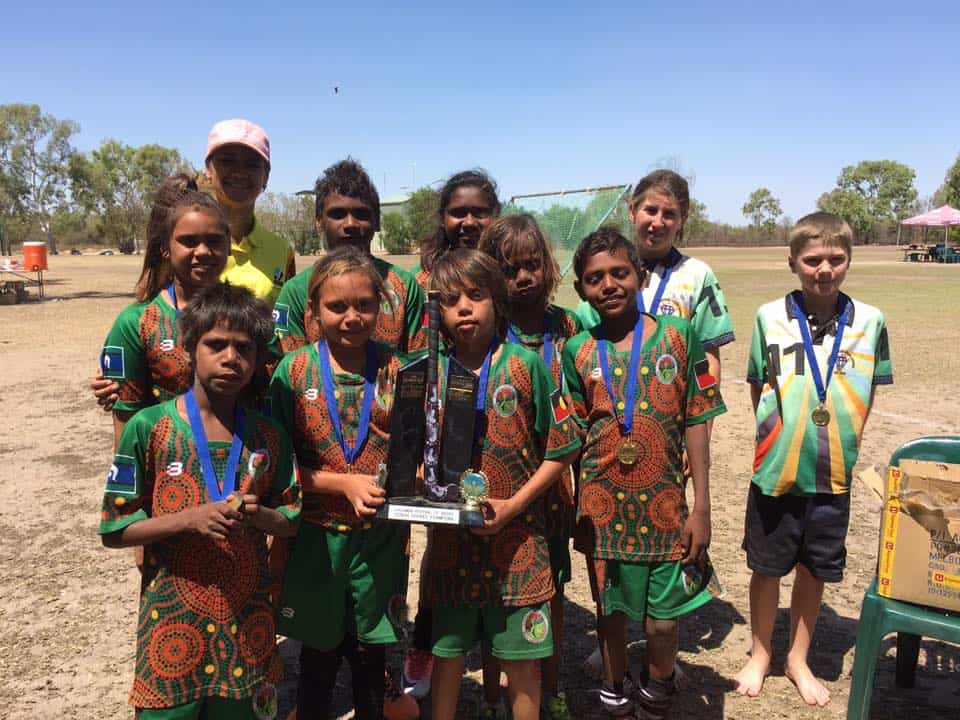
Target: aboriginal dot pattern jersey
[(559, 497), (692, 293), (794, 455), (298, 402), (143, 354), (205, 626), (636, 513), (525, 422), (422, 276), (398, 324)]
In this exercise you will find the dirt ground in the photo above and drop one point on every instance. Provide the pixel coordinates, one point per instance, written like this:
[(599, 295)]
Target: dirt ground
[(67, 607)]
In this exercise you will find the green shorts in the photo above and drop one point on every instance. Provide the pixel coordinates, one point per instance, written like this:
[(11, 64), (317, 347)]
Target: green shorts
[(659, 589), (513, 633), (212, 708), (352, 582), (559, 560)]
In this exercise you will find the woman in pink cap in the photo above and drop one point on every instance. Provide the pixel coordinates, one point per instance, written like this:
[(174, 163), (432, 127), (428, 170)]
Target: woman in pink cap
[(237, 167)]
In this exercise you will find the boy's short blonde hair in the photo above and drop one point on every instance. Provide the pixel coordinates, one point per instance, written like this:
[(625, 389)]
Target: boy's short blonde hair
[(830, 228)]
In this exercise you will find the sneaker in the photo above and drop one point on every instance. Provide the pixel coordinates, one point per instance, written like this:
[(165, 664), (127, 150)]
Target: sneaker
[(491, 711), (614, 703), (655, 705), (397, 705), (415, 675), (555, 707)]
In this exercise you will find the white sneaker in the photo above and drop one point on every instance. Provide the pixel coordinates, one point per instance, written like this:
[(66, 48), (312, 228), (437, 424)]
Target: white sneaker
[(593, 667), (616, 704), (416, 671)]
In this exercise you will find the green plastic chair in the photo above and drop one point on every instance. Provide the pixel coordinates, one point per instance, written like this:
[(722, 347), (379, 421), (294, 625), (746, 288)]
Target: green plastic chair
[(881, 616)]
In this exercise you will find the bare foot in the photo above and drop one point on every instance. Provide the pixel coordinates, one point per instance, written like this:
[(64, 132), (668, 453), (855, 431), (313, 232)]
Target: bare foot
[(811, 690), (750, 679)]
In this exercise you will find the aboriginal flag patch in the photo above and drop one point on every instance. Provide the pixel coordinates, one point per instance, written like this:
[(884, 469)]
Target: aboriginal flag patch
[(704, 378), (559, 406)]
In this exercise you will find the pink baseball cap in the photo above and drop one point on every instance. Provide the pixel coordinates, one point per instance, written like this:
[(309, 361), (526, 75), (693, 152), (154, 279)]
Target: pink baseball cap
[(238, 132)]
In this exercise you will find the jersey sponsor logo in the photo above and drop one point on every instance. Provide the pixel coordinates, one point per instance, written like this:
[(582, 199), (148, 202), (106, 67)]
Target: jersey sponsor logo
[(505, 400), (167, 344), (311, 394), (122, 477), (844, 362), (111, 362), (259, 462), (666, 369), (559, 407), (281, 316), (535, 627), (667, 308), (704, 378), (174, 469)]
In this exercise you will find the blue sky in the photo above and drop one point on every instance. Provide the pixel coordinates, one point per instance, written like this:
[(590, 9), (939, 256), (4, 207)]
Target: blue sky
[(544, 96)]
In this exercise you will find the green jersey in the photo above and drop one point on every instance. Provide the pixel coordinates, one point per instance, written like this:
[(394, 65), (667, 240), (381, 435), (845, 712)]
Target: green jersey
[(793, 454), (398, 324), (205, 626), (525, 421), (691, 293), (142, 353), (635, 513)]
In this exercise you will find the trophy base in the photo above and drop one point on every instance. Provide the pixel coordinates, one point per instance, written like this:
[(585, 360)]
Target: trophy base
[(426, 512)]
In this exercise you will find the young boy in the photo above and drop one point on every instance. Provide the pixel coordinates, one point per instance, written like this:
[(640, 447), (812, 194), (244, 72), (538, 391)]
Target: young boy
[(494, 584), (348, 213), (199, 481), (641, 388), (815, 360)]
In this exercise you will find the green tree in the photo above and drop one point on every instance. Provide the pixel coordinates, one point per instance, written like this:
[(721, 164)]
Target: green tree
[(697, 221), (395, 233), (116, 183), (763, 210), (949, 192), (35, 152), (292, 218), (422, 210), (886, 187), (849, 205)]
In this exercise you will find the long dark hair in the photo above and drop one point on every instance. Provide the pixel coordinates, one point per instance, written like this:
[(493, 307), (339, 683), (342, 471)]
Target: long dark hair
[(437, 244), (175, 195)]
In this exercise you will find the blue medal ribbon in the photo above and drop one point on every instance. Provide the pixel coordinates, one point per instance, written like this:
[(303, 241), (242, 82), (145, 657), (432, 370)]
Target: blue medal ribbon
[(820, 383), (215, 489), (369, 390), (630, 392), (668, 264), (513, 337), (481, 401), (173, 297)]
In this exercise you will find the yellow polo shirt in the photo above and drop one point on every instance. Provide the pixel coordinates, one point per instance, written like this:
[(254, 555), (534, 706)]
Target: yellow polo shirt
[(259, 262)]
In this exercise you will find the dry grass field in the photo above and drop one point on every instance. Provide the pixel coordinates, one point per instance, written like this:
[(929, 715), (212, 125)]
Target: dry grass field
[(67, 607)]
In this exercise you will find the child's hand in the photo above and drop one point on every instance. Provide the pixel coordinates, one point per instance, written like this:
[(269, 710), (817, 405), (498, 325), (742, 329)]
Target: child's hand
[(213, 520), (695, 538), (496, 514), (363, 493), (107, 392), (250, 507)]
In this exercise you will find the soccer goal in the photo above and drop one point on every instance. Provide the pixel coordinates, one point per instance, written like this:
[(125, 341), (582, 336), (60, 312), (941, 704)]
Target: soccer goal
[(567, 216)]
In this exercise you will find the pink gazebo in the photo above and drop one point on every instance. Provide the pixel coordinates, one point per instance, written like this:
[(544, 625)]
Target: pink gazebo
[(944, 216)]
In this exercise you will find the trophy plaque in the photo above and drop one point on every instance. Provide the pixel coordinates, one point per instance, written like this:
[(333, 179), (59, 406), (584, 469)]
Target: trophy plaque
[(452, 494)]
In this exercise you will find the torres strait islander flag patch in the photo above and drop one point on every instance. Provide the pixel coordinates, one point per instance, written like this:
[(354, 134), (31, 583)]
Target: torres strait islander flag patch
[(704, 378)]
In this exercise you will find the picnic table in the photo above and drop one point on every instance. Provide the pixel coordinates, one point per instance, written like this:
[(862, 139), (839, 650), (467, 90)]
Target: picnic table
[(918, 253)]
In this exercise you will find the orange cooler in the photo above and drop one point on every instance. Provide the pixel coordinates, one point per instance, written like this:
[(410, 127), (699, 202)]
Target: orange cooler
[(34, 256)]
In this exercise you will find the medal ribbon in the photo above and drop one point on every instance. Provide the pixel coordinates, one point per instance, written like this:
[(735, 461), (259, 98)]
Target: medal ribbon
[(630, 393), (215, 489), (173, 297), (820, 383), (672, 259), (369, 390), (547, 338), (481, 401)]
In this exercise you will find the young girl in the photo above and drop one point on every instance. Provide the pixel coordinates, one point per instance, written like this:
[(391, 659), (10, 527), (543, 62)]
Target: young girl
[(532, 275), (493, 584), (197, 481), (346, 573), (468, 203), (188, 240), (237, 168)]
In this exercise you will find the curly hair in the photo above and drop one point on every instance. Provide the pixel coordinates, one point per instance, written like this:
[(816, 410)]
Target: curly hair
[(435, 245), (231, 305), (348, 178), (608, 240)]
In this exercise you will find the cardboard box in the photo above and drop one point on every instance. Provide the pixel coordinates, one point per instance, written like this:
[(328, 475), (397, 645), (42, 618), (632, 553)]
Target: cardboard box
[(919, 558)]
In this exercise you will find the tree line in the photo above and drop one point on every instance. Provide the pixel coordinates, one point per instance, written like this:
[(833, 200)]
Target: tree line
[(51, 191)]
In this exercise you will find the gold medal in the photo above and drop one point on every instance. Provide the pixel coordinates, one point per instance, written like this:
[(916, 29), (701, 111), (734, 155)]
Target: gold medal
[(628, 452), (235, 502), (820, 416)]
